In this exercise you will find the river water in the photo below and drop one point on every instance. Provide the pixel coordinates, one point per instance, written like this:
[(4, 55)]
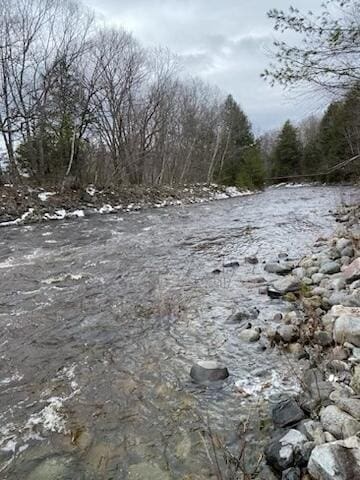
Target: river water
[(101, 319)]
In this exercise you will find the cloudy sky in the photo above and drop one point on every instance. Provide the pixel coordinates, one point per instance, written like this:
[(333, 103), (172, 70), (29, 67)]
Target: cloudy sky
[(225, 42)]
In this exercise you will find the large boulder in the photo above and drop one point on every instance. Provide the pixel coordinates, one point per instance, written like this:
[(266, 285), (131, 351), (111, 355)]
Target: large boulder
[(208, 371), (336, 461), (352, 272), (347, 329), (338, 423), (286, 412)]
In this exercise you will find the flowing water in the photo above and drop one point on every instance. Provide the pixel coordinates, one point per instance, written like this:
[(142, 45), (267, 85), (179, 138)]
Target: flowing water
[(101, 319)]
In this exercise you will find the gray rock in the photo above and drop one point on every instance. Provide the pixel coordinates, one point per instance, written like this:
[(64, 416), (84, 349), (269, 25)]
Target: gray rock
[(208, 371), (243, 315), (349, 405), (323, 338), (338, 423), (146, 471), (293, 473), (317, 277), (347, 252), (263, 290), (341, 298), (354, 285), (232, 264), (320, 291), (347, 329), (330, 267), (338, 284), (286, 413), (284, 451), (54, 468), (333, 253), (287, 284), (342, 243), (345, 261), (352, 272), (355, 382), (299, 272), (312, 270), (281, 268), (336, 461), (250, 335), (314, 431), (288, 333), (253, 260)]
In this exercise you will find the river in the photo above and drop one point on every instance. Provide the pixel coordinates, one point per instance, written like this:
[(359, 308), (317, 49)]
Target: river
[(102, 317)]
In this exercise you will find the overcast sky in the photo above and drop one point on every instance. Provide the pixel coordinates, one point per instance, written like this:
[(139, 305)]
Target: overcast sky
[(225, 42)]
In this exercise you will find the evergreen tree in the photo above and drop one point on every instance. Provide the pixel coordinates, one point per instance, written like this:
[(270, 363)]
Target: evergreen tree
[(287, 155)]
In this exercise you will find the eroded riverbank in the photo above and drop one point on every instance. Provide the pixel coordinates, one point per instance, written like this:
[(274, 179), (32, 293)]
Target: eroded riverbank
[(103, 317)]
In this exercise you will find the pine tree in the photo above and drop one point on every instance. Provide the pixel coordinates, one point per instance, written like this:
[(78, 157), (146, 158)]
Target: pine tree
[(287, 155)]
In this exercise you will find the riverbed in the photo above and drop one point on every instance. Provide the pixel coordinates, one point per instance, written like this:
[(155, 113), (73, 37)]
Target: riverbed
[(102, 317)]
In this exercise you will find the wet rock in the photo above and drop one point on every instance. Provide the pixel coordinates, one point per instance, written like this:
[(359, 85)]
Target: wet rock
[(284, 286), (284, 450), (287, 412), (347, 329), (250, 335), (282, 268), (330, 267), (233, 264), (55, 468), (338, 423), (253, 260), (323, 338), (352, 272), (288, 333), (208, 371), (147, 471), (336, 461), (243, 315), (293, 473)]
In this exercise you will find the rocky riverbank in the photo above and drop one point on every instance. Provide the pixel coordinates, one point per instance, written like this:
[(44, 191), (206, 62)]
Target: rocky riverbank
[(25, 204), (317, 433)]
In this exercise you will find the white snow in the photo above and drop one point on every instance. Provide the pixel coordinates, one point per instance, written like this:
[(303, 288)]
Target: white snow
[(76, 213), (106, 209), (23, 217), (58, 215), (50, 417), (43, 196), (91, 190)]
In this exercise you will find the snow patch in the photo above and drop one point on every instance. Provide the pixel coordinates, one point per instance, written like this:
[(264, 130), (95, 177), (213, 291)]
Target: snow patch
[(20, 220), (43, 196)]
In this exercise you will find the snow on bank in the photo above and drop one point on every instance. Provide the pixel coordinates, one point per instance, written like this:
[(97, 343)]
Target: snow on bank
[(192, 195)]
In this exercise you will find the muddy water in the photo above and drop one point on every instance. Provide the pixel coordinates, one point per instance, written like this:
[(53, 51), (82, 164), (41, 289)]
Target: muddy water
[(102, 318)]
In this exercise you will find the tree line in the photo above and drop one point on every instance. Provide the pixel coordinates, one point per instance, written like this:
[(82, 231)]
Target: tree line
[(85, 104)]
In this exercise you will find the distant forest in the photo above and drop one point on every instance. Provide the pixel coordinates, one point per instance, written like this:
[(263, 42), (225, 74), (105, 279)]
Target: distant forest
[(83, 104)]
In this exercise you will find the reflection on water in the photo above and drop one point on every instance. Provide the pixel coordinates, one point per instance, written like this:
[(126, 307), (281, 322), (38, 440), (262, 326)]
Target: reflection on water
[(102, 318)]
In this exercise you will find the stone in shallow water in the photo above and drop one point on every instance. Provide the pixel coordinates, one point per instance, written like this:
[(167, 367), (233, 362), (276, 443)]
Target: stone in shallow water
[(250, 335), (55, 468), (279, 268), (208, 371), (287, 412), (147, 471)]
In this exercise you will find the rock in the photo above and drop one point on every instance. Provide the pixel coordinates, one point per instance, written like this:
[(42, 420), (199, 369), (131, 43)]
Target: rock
[(281, 268), (342, 243), (347, 329), (347, 252), (319, 291), (352, 300), (338, 310), (217, 271), (355, 381), (250, 335), (317, 277), (339, 353), (336, 461), (352, 272), (312, 270), (54, 468), (349, 405), (338, 284), (345, 261), (333, 253), (354, 285), (288, 333), (329, 437), (323, 338), (296, 348), (243, 315), (307, 281), (314, 431), (231, 264), (299, 272), (208, 371), (337, 366), (338, 423), (286, 285), (330, 267), (263, 290), (252, 260), (284, 450), (146, 471), (291, 474), (286, 413)]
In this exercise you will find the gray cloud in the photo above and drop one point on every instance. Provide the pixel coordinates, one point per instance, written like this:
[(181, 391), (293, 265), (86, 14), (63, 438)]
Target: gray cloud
[(224, 42)]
